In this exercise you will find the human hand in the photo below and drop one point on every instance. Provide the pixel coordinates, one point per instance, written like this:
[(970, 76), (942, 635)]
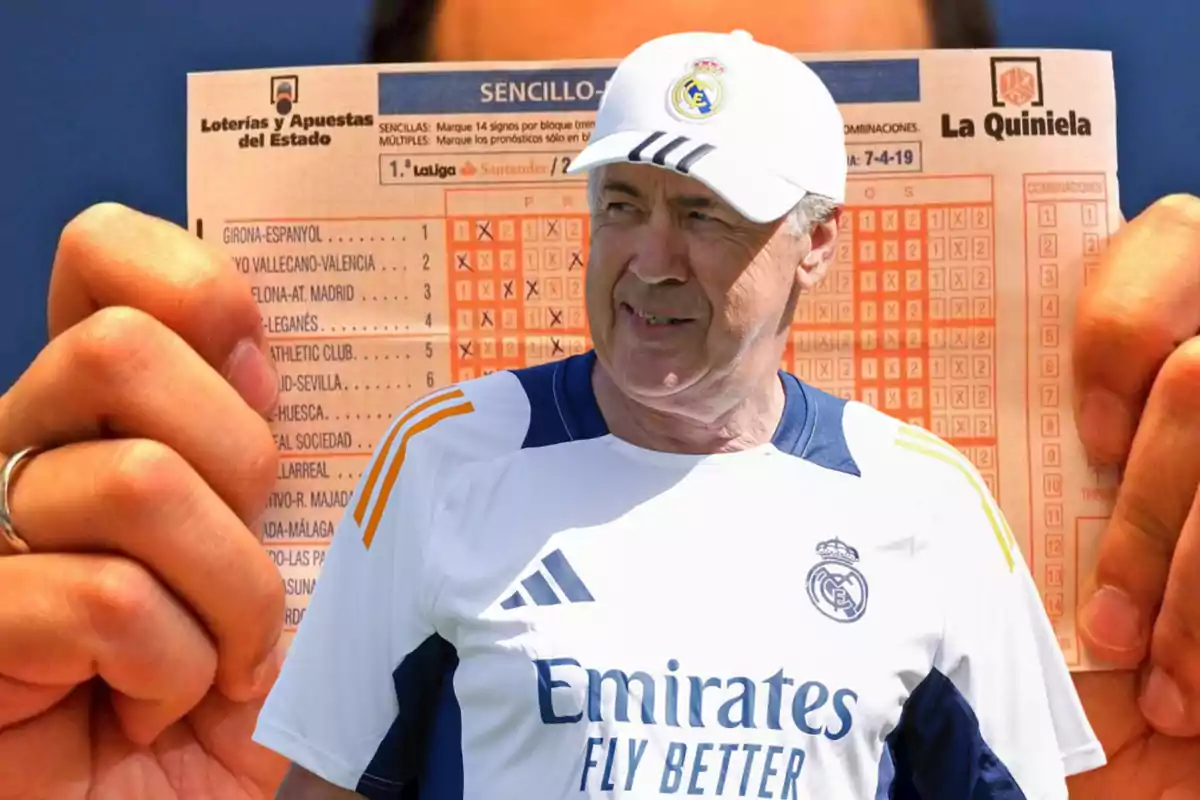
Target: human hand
[(1142, 763), (1137, 379), (140, 635)]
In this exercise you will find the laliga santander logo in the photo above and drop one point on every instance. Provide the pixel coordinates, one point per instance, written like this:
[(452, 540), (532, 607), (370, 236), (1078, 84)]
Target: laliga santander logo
[(699, 93)]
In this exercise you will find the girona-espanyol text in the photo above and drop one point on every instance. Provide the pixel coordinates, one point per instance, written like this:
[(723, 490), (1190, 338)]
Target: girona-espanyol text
[(737, 736)]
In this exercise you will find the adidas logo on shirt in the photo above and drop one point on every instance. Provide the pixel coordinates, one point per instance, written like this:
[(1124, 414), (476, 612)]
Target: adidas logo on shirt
[(553, 583)]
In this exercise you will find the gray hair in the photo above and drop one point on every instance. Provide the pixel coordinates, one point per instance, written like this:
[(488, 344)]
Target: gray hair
[(812, 210)]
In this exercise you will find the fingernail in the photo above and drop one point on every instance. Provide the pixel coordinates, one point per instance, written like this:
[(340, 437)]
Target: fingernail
[(1112, 619), (261, 675), (1105, 426), (265, 674), (253, 375), (1162, 702)]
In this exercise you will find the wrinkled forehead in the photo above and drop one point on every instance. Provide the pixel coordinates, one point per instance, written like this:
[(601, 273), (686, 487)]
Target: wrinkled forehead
[(652, 184)]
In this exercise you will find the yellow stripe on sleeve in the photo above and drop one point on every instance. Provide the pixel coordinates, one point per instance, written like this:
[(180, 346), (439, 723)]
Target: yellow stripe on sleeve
[(963, 465), (389, 480), (364, 499), (927, 444)]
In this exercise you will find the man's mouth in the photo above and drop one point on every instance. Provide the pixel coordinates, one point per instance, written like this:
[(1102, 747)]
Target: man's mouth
[(654, 319)]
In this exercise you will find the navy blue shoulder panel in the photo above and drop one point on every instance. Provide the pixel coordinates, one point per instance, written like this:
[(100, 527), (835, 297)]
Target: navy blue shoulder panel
[(421, 754), (812, 427), (562, 407), (937, 751)]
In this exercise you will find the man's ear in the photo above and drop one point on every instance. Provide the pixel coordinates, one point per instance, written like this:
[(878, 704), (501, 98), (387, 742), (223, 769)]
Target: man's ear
[(822, 250)]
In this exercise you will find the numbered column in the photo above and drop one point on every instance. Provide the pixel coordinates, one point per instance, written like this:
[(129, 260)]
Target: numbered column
[(1065, 230)]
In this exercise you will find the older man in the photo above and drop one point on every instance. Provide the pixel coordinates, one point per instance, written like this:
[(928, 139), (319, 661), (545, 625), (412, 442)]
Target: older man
[(136, 638), (663, 566)]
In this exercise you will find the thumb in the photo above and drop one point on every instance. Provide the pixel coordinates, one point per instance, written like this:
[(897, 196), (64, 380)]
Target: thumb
[(1153, 502), (1142, 301)]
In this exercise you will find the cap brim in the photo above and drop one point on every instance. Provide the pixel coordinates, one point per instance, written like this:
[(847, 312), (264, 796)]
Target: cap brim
[(753, 192)]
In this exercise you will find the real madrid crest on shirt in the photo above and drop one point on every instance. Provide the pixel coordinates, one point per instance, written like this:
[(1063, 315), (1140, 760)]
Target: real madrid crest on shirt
[(698, 94), (835, 586)]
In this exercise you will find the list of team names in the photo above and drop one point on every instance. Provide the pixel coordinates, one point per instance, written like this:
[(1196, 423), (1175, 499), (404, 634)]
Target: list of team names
[(355, 313)]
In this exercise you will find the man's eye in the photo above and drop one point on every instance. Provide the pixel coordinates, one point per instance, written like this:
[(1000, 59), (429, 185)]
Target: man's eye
[(619, 206)]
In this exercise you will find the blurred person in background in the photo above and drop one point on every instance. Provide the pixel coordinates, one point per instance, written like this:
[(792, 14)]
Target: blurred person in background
[(141, 618)]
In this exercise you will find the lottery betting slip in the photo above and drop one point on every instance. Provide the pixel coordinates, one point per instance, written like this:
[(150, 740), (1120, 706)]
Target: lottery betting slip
[(407, 227)]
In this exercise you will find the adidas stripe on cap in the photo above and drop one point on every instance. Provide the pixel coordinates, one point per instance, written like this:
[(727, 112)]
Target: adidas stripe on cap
[(750, 121)]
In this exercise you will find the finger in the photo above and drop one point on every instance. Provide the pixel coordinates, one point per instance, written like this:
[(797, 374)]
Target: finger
[(20, 700), (82, 616), (1171, 701), (118, 765), (224, 729), (1110, 698), (122, 372), (1153, 501), (29, 768), (138, 498), (183, 769), (1144, 301), (111, 255), (1139, 765)]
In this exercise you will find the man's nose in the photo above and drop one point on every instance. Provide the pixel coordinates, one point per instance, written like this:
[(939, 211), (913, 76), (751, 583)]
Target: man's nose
[(660, 254)]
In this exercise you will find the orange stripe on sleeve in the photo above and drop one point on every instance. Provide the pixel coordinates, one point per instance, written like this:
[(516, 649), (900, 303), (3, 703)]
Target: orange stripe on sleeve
[(394, 468), (365, 499)]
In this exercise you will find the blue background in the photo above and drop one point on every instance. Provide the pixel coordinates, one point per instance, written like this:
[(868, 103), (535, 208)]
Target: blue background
[(94, 105)]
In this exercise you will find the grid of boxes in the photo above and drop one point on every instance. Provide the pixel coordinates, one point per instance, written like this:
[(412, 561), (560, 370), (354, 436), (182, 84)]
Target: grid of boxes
[(906, 319), (1059, 227), (516, 290)]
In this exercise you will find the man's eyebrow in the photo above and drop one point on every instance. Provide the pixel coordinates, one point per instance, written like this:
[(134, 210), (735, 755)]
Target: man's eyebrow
[(696, 201), (621, 187), (692, 201)]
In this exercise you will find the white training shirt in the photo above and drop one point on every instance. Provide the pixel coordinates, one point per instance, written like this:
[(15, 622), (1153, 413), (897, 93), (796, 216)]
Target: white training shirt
[(546, 611)]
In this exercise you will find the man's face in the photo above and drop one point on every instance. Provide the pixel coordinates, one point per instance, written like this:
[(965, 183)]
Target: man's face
[(477, 30), (684, 295)]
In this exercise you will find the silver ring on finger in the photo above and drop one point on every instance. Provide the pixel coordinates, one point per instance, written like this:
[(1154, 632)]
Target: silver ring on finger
[(8, 473)]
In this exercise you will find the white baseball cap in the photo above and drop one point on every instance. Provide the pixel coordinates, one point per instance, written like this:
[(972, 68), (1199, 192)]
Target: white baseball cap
[(750, 121)]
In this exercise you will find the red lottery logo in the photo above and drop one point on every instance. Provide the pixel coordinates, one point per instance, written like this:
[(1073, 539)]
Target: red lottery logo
[(1017, 86)]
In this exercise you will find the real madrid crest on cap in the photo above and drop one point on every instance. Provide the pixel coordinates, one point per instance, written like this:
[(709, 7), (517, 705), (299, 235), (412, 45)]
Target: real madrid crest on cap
[(699, 93), (835, 586)]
